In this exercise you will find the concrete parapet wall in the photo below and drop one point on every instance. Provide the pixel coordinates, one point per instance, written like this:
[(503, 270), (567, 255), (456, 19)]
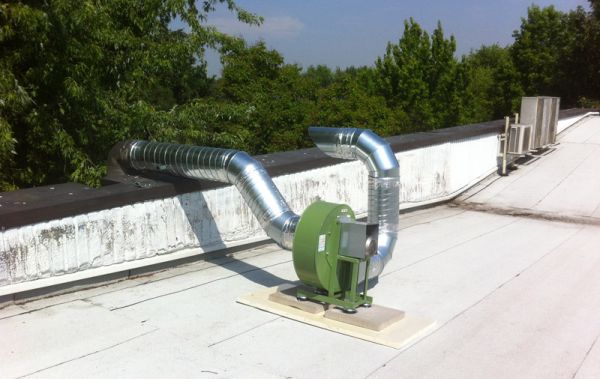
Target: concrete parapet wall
[(565, 123), (202, 221), (146, 232)]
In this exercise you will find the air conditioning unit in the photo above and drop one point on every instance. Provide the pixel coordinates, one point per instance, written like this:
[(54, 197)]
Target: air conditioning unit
[(542, 114), (519, 139)]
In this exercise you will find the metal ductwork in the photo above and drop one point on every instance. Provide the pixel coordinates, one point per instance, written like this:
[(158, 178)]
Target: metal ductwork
[(262, 196), (384, 181), (220, 165)]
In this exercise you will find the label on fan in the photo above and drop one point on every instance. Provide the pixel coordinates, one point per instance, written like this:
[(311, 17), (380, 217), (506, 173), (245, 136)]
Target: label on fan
[(322, 239)]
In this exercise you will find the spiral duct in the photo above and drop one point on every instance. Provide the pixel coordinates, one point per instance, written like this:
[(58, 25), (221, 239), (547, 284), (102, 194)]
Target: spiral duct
[(220, 165), (384, 181)]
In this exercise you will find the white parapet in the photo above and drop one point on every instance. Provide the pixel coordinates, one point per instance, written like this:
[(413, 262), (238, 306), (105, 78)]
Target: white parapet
[(157, 231), (571, 121)]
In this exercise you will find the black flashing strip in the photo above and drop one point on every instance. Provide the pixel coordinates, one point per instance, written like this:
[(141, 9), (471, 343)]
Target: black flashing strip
[(40, 204)]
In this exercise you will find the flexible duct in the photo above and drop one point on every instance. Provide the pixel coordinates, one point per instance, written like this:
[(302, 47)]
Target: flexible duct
[(384, 181), (220, 165)]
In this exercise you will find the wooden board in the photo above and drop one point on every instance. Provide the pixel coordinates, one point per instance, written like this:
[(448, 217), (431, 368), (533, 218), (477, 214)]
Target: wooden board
[(376, 317), (399, 335)]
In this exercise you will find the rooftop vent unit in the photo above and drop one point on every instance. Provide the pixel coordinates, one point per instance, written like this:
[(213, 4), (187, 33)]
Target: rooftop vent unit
[(519, 139), (542, 114)]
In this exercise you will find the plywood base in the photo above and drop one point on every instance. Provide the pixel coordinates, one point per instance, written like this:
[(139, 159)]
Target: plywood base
[(399, 334), (375, 318)]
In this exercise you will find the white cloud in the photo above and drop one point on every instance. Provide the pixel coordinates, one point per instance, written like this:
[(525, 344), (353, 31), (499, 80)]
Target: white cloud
[(282, 27)]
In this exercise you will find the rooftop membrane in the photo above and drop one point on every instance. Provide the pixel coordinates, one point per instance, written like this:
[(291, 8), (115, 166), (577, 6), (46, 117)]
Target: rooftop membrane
[(509, 270)]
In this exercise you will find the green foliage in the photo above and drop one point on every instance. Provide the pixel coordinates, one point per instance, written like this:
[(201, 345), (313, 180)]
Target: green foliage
[(539, 45), (345, 103), (420, 76), (493, 89), (557, 53), (88, 74), (445, 87), (14, 99), (258, 78), (78, 76), (320, 76), (585, 61), (404, 75)]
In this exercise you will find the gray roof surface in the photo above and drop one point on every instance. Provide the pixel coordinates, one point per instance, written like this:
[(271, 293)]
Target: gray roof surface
[(515, 293)]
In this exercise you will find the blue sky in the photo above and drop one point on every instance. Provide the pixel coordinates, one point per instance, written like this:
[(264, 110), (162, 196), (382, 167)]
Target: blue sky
[(341, 33)]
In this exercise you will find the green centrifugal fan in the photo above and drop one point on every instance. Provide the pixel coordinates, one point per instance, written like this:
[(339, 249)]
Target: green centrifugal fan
[(331, 253)]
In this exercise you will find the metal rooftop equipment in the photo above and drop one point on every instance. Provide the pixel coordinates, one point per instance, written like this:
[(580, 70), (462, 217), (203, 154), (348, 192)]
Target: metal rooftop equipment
[(332, 252), (519, 139), (542, 114)]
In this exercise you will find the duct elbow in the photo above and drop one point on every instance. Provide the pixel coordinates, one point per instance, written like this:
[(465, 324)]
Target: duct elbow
[(360, 144), (384, 181), (263, 198), (377, 155), (242, 166), (384, 254)]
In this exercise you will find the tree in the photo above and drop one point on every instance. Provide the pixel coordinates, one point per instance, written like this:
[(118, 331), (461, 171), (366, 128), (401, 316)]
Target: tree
[(320, 76), (403, 75), (419, 75), (247, 69), (540, 45), (444, 86), (259, 78), (556, 53), (493, 89), (586, 56), (78, 76), (14, 99), (346, 103)]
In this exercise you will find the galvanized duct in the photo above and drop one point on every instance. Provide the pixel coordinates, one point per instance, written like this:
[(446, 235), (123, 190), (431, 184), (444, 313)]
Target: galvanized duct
[(220, 165), (384, 181)]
